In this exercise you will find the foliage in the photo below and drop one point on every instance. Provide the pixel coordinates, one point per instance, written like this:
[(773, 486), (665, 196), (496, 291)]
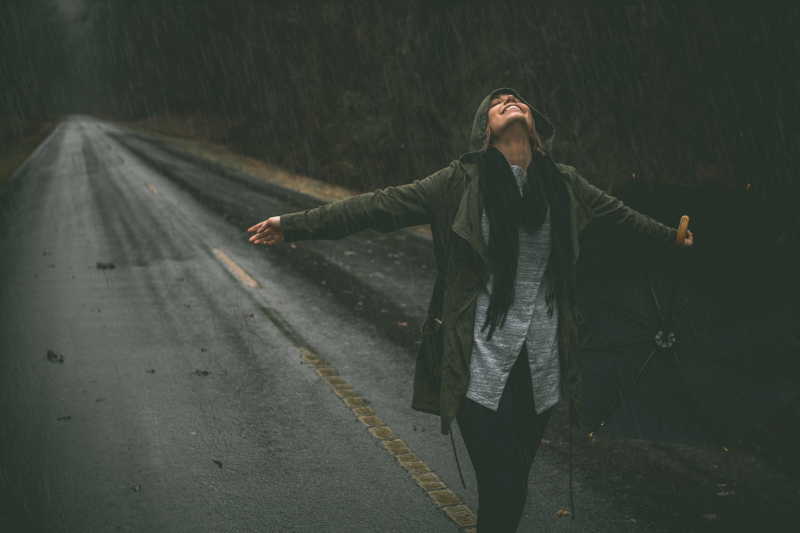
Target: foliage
[(372, 94)]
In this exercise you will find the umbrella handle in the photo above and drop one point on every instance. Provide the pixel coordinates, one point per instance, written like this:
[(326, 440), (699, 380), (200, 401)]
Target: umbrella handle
[(682, 231)]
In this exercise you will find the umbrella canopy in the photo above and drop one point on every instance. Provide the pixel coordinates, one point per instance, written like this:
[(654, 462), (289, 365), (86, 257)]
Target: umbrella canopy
[(699, 349)]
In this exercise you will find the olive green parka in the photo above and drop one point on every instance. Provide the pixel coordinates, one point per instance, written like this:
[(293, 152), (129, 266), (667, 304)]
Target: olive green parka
[(450, 202)]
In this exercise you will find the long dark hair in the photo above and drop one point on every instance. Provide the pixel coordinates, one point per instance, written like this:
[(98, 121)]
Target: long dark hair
[(507, 211)]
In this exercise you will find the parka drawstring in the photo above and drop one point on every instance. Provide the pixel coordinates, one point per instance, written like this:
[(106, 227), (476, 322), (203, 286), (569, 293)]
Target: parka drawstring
[(571, 504), (453, 442)]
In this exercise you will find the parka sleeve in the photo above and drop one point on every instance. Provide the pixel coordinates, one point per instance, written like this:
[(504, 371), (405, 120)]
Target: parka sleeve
[(621, 220), (384, 210)]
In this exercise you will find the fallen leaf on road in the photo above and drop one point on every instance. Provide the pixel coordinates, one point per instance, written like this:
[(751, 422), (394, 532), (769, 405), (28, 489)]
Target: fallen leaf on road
[(105, 266), (201, 373), (348, 252), (404, 324), (562, 512), (218, 462), (151, 371), (293, 245), (726, 493), (136, 488), (711, 516), (249, 314), (64, 418), (54, 357), (722, 485), (545, 441)]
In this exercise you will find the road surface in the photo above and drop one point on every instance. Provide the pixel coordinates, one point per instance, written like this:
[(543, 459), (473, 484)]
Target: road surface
[(153, 378)]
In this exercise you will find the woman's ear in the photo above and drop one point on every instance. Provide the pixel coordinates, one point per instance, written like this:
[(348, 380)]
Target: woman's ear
[(534, 144)]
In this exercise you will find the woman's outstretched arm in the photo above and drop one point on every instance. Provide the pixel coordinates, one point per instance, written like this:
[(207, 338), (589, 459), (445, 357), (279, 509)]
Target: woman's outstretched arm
[(384, 210), (621, 219)]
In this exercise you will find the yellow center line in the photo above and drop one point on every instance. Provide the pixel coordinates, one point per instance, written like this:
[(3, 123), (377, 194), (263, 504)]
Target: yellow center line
[(237, 271), (152, 189), (422, 474)]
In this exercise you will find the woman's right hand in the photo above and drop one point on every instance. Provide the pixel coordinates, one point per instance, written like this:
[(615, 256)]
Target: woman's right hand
[(267, 232)]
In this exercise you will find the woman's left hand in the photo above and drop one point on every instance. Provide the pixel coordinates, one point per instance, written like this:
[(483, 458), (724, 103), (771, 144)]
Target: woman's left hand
[(687, 243)]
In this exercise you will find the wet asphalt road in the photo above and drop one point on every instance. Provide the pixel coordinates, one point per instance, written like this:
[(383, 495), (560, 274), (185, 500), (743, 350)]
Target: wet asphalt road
[(174, 409)]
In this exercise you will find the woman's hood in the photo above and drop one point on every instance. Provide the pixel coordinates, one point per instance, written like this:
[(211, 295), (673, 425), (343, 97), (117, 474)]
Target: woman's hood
[(543, 126)]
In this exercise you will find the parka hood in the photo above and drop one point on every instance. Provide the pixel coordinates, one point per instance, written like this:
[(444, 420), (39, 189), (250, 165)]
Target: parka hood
[(543, 126)]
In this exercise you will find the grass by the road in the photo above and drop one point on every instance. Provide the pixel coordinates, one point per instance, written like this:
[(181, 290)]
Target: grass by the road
[(19, 138), (197, 135)]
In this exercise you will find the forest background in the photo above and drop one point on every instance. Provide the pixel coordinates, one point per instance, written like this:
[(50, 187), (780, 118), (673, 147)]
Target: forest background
[(366, 95)]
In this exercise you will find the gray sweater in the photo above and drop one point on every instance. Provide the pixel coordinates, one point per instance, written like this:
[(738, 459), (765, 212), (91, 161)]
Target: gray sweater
[(527, 320)]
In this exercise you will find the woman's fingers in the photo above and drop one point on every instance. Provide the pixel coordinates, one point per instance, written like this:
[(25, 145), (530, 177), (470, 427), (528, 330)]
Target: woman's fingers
[(258, 229), (261, 226), (267, 232), (269, 241), (687, 243), (688, 240), (268, 237), (259, 237)]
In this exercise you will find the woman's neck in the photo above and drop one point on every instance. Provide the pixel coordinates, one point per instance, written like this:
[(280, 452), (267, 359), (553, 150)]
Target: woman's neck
[(516, 149)]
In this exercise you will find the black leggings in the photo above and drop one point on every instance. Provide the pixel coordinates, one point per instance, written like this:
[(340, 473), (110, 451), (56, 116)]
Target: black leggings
[(502, 445)]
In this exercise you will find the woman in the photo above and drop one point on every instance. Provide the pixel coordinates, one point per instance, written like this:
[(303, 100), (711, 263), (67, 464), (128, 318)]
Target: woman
[(500, 343)]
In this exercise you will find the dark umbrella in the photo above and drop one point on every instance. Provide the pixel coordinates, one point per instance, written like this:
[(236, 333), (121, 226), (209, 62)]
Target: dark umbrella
[(697, 349)]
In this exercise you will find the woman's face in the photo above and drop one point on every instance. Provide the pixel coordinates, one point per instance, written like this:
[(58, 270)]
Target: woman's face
[(507, 113)]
